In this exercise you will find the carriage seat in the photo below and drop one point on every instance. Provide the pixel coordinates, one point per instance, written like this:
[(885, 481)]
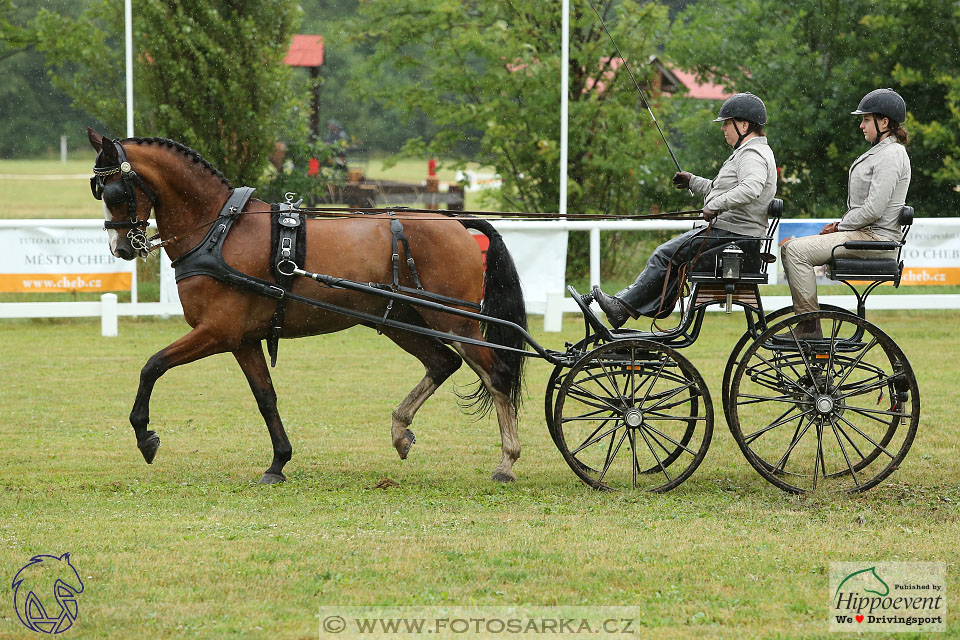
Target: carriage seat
[(882, 269), (755, 253)]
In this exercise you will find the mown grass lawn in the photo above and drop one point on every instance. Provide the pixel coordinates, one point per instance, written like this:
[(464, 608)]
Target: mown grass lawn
[(192, 546)]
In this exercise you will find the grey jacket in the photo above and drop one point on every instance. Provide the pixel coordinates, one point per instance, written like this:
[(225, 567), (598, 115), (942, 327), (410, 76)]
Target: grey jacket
[(877, 189), (743, 189)]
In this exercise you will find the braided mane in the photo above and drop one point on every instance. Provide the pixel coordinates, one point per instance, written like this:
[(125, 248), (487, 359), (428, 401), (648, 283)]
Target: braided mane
[(185, 150)]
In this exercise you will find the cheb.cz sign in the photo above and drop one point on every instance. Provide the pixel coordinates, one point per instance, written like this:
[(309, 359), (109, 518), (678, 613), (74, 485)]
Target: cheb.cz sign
[(53, 259)]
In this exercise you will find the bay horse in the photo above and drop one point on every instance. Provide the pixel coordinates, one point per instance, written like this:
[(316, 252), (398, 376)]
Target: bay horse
[(134, 175)]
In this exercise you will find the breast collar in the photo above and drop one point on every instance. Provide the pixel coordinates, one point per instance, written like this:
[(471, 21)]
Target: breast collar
[(206, 259)]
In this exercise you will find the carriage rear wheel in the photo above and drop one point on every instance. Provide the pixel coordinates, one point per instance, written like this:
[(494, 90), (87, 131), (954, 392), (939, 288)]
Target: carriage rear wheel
[(838, 413), (633, 414), (742, 343)]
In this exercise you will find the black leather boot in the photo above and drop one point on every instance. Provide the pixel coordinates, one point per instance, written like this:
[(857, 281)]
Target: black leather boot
[(616, 312)]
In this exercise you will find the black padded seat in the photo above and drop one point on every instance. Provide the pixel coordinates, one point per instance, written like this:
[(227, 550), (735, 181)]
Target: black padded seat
[(706, 264), (754, 267), (864, 269), (885, 268)]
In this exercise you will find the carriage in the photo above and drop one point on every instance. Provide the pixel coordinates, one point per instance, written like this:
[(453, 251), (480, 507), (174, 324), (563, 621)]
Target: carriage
[(624, 407)]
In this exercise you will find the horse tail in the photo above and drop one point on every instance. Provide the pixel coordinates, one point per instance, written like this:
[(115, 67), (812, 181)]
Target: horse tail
[(502, 299)]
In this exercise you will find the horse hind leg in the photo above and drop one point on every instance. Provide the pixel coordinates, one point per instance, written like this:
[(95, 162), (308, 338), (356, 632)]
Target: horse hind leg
[(251, 360), (496, 380), (440, 363)]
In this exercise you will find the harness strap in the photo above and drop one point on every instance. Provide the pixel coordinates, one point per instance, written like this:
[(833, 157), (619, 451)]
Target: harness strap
[(207, 257), (396, 228), (289, 224)]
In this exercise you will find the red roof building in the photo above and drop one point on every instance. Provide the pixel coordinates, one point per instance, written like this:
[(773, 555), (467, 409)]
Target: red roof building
[(305, 51)]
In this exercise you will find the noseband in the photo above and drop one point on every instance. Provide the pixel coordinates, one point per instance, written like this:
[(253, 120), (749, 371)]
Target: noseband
[(123, 191)]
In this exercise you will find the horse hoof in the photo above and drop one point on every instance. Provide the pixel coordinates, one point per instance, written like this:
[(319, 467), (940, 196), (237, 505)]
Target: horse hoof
[(272, 478), (149, 445), (501, 476), (406, 443)]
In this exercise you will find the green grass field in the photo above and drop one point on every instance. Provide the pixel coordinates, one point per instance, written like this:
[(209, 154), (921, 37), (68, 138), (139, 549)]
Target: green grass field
[(192, 547)]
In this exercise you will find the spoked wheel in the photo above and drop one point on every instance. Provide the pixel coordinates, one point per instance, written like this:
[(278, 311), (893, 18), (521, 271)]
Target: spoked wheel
[(742, 343), (633, 414), (838, 413), (554, 382)]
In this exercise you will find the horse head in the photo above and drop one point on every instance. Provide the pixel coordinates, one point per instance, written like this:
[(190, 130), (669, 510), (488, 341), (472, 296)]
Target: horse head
[(127, 199), (134, 175)]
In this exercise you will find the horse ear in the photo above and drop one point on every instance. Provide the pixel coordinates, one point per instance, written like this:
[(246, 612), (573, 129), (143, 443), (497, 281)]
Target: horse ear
[(108, 153), (95, 139)]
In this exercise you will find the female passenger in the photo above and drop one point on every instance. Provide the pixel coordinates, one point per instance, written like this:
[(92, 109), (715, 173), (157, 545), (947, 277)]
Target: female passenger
[(877, 191)]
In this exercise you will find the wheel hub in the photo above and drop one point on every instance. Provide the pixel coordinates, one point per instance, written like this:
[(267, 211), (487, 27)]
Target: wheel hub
[(824, 404), (633, 417)]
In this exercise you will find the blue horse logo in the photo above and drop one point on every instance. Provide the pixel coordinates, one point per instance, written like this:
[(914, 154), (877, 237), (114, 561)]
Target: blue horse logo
[(41, 577)]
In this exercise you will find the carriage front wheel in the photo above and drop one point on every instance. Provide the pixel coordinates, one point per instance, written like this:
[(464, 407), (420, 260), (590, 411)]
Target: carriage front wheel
[(633, 414), (837, 413)]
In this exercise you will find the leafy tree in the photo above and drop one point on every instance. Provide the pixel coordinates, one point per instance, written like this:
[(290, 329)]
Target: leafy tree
[(33, 114), (812, 60), (487, 75), (207, 72), (370, 124)]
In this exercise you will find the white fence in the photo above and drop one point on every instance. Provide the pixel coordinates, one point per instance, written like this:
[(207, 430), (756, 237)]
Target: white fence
[(169, 303), (544, 292)]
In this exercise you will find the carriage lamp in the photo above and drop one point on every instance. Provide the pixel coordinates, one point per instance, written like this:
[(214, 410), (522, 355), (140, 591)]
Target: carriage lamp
[(731, 262)]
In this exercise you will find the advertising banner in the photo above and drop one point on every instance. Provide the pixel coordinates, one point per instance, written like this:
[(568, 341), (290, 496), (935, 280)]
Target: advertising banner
[(931, 255), (57, 259), (932, 252)]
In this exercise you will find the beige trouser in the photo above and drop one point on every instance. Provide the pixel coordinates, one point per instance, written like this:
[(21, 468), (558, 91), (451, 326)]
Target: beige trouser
[(801, 255)]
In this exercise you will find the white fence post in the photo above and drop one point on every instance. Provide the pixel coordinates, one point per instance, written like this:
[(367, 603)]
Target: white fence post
[(108, 315), (553, 312), (594, 256)]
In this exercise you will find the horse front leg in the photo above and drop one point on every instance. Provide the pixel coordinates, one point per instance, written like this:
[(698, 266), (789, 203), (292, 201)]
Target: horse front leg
[(193, 346), (254, 365)]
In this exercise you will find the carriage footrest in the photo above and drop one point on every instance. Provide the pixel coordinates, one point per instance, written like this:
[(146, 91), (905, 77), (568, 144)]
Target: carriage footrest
[(710, 293)]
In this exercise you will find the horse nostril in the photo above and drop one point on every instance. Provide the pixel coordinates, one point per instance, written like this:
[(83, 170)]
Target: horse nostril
[(125, 253)]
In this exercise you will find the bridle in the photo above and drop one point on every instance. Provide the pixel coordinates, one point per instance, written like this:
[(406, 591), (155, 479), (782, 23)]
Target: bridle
[(123, 191)]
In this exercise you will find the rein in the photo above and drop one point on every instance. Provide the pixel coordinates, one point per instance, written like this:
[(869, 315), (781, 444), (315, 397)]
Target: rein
[(373, 214), (344, 212)]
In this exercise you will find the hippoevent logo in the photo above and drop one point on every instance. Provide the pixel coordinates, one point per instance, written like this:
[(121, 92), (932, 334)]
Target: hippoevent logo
[(45, 594), (888, 596)]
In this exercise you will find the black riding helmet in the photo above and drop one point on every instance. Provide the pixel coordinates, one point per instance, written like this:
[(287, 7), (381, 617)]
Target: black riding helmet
[(884, 102), (743, 106)]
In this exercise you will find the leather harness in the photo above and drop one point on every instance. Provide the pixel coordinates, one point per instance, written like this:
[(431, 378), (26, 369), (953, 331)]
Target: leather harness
[(289, 242)]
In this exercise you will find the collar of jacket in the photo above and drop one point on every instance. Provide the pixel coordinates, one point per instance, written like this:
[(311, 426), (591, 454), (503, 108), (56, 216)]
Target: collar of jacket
[(883, 144)]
